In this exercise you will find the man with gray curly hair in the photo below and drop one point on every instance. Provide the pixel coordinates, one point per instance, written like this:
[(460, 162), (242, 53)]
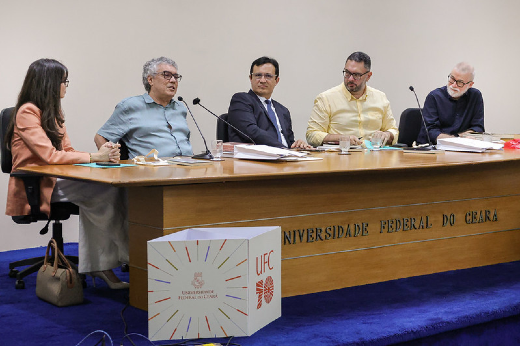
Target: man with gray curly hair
[(153, 120)]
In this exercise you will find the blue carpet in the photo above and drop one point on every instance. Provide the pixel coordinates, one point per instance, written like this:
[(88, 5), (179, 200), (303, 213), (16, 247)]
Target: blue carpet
[(478, 306)]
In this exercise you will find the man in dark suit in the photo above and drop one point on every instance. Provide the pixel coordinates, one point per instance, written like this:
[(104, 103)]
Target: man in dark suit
[(257, 115)]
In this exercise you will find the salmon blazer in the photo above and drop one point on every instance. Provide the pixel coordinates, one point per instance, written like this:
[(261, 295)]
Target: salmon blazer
[(30, 146)]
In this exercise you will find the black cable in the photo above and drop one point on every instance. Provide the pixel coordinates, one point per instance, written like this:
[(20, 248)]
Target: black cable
[(101, 340), (187, 342), (125, 330)]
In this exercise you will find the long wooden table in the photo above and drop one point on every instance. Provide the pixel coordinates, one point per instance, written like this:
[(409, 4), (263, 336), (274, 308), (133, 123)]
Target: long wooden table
[(346, 220)]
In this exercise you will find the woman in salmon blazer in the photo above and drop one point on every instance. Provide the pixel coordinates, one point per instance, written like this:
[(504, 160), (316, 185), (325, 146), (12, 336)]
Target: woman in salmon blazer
[(37, 136)]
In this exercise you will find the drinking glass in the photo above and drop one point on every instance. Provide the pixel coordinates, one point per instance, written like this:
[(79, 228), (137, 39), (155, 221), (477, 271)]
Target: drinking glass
[(344, 145), (486, 137), (217, 148), (376, 142)]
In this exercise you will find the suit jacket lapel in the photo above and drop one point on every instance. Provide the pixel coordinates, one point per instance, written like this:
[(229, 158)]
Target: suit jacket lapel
[(257, 100), (262, 106), (279, 113)]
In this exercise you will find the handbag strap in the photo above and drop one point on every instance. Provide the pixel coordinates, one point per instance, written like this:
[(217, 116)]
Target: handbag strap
[(59, 257), (70, 271), (52, 244)]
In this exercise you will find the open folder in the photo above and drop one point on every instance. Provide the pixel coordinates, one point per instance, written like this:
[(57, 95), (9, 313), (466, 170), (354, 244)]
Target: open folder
[(466, 144), (265, 152)]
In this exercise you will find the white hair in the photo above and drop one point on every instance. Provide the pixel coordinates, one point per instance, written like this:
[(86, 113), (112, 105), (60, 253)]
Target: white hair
[(464, 67)]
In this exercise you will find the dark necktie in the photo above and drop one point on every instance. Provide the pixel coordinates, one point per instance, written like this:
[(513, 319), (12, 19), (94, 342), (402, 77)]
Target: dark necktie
[(272, 116)]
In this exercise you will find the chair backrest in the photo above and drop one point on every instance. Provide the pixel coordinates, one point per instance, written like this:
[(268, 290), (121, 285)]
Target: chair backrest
[(409, 126), (6, 157), (222, 128), (123, 150)]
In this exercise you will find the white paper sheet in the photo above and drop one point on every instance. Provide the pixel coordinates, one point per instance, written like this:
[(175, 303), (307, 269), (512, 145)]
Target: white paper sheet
[(466, 144)]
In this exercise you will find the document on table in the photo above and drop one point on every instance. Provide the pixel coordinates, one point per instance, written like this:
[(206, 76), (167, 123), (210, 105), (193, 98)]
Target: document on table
[(186, 161), (265, 152), (466, 144), (335, 147)]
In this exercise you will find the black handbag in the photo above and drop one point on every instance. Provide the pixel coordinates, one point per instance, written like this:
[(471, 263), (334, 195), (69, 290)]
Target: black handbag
[(57, 283)]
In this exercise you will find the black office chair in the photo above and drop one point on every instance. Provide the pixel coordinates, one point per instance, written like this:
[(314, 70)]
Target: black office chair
[(59, 211), (409, 126), (123, 150), (222, 128)]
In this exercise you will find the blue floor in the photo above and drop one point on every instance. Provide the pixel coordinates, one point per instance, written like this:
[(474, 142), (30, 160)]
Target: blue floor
[(461, 306)]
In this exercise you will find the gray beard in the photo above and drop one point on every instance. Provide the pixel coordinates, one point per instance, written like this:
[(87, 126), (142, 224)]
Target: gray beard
[(455, 94)]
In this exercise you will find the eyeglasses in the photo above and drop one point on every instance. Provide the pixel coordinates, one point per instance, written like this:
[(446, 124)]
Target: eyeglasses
[(66, 82), (168, 75), (259, 76), (460, 83), (357, 76)]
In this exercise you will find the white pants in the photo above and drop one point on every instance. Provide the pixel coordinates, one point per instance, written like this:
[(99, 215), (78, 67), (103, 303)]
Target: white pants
[(103, 222)]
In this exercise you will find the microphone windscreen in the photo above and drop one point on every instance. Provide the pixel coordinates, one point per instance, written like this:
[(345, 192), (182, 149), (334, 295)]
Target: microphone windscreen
[(411, 88), (180, 98), (196, 101)]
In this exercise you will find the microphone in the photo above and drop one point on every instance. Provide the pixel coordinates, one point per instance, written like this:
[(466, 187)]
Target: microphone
[(430, 145), (196, 101), (205, 155)]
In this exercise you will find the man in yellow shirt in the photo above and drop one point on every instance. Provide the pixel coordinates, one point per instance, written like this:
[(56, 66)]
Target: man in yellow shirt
[(352, 108)]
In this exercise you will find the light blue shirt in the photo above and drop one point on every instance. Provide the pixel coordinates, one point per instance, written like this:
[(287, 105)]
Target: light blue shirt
[(145, 125)]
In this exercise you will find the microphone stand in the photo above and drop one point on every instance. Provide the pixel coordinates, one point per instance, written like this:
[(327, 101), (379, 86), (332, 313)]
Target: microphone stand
[(205, 155), (196, 101), (430, 146)]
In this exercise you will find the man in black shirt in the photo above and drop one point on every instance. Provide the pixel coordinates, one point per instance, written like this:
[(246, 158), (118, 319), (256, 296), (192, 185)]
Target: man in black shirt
[(455, 109)]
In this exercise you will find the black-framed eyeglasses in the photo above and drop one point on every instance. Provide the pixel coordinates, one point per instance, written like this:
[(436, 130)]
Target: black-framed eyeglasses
[(356, 76), (66, 82), (259, 76), (460, 83), (168, 75)]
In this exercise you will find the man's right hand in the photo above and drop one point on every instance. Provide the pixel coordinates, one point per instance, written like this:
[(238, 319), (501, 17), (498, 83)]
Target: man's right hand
[(355, 140), (444, 135), (335, 138), (300, 144)]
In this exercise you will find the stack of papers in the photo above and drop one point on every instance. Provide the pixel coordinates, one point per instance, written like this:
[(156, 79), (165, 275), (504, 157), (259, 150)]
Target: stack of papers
[(229, 147), (186, 161), (265, 152), (335, 147), (466, 144)]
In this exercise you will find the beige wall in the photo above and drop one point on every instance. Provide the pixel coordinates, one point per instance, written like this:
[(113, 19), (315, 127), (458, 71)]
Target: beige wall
[(105, 43)]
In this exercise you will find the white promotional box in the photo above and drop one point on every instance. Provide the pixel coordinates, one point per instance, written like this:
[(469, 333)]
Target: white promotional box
[(213, 282)]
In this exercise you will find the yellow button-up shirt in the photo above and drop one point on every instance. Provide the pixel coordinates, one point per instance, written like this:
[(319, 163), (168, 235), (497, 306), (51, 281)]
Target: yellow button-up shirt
[(336, 111)]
